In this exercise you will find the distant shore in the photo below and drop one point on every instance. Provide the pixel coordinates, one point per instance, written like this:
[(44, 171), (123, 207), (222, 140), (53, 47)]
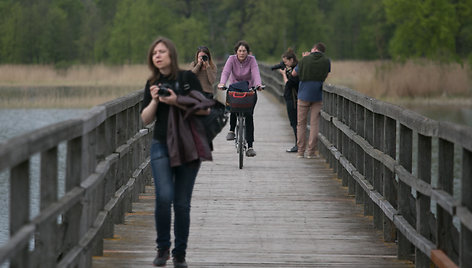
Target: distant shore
[(421, 82)]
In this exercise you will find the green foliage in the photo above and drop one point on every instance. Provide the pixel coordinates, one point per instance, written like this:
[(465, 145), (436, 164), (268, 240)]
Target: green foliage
[(64, 32), (426, 28), (188, 34)]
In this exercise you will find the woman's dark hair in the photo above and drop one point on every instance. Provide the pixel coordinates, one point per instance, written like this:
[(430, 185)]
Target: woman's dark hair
[(205, 50), (290, 54), (174, 64), (242, 43)]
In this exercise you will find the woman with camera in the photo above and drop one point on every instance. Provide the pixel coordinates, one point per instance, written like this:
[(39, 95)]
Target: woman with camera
[(175, 153), (289, 61), (205, 70), (242, 67)]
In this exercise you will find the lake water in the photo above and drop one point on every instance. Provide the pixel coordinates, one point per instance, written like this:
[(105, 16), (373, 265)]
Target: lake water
[(14, 122)]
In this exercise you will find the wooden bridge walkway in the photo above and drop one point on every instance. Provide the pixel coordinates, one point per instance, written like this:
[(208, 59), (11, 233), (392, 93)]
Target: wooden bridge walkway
[(278, 211)]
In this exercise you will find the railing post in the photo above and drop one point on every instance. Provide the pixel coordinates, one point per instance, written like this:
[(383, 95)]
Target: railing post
[(405, 248), (339, 138), (329, 129), (350, 154), (369, 162), (74, 169), (345, 147), (447, 233), (19, 208), (423, 202), (46, 239), (378, 172), (466, 200), (360, 154), (389, 184)]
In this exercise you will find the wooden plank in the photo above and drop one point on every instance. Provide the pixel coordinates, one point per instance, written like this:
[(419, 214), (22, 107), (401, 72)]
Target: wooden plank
[(278, 211), (423, 202), (464, 212), (446, 231), (389, 188), (405, 247), (19, 208)]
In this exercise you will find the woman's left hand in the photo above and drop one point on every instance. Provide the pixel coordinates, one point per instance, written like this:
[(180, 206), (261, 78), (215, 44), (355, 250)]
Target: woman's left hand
[(260, 87)]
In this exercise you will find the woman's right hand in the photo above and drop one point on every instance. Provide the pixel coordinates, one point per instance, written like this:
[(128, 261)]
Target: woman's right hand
[(154, 89), (221, 86)]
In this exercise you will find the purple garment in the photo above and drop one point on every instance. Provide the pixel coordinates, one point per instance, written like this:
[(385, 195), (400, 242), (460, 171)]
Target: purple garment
[(237, 71), (186, 136)]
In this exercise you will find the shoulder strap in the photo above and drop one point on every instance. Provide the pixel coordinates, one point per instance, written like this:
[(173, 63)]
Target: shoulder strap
[(182, 81)]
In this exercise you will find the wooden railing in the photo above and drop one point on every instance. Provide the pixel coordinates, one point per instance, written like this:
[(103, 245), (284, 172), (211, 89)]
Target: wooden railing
[(359, 138), (401, 166), (107, 166)]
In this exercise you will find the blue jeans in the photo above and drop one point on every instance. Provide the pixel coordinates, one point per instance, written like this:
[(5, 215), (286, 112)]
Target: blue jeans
[(173, 186)]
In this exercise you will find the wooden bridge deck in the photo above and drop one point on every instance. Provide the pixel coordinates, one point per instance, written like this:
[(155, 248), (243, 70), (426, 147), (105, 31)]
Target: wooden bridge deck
[(278, 211)]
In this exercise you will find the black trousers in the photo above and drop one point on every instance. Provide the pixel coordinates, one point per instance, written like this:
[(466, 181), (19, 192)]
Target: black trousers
[(292, 114)]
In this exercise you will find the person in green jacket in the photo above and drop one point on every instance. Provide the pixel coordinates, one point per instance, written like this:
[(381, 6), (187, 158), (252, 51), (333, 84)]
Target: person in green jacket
[(312, 70)]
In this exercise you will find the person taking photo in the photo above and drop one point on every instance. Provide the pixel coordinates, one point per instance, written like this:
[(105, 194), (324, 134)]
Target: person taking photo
[(289, 61), (205, 70), (312, 71)]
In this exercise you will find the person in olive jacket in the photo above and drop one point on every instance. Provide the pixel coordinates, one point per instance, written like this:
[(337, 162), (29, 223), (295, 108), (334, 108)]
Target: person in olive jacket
[(312, 70)]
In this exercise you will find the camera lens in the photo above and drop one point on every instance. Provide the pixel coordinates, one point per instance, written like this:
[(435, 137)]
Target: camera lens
[(204, 58)]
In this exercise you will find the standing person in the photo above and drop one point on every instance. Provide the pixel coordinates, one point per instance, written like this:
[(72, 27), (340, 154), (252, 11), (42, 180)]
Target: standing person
[(312, 70), (174, 174), (289, 60), (204, 68), (242, 67)]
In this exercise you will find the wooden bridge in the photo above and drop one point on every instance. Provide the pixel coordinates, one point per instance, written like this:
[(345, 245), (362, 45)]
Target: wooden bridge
[(381, 195)]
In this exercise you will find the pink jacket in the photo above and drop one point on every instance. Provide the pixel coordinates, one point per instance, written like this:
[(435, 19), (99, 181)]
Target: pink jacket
[(237, 71)]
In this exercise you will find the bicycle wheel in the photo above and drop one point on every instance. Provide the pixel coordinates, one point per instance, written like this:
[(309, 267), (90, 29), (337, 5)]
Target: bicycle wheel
[(241, 140)]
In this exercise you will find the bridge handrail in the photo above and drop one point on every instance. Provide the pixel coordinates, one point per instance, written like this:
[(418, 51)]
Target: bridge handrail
[(358, 137), (107, 166)]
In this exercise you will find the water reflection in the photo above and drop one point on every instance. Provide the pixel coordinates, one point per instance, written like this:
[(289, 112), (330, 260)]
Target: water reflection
[(15, 122), (456, 114)]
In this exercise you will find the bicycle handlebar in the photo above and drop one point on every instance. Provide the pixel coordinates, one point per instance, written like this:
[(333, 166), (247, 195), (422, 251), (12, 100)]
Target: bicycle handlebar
[(250, 89)]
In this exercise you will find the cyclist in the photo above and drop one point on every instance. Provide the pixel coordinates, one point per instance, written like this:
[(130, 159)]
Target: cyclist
[(242, 67)]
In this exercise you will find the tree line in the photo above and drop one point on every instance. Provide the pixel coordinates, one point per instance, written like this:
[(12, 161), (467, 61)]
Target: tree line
[(64, 32)]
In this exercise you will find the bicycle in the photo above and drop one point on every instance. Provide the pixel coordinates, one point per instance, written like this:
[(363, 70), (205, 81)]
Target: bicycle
[(240, 131)]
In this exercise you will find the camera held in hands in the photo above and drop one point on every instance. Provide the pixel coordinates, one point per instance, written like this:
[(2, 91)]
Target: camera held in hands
[(281, 66), (164, 89), (204, 58)]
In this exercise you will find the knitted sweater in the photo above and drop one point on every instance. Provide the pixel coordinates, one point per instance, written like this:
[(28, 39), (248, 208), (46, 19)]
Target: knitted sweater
[(207, 76), (237, 71)]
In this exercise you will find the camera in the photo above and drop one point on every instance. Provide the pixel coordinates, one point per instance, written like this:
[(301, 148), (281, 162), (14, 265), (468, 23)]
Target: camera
[(281, 66), (204, 58), (179, 90), (164, 89)]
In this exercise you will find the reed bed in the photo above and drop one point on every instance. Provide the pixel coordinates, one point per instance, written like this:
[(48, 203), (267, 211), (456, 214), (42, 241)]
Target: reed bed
[(41, 86), (76, 75), (82, 86), (411, 79)]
